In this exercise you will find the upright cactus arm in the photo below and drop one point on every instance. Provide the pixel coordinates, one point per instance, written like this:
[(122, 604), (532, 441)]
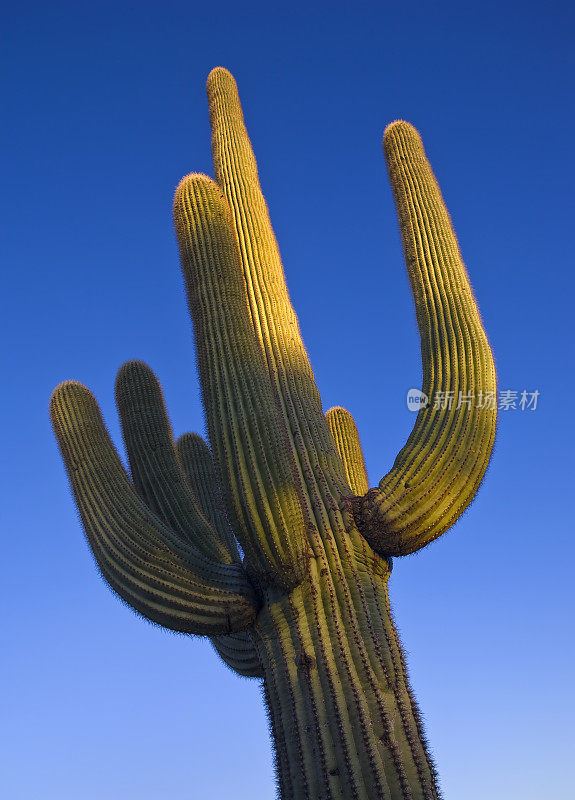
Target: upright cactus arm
[(344, 431), (437, 473), (272, 316), (199, 468), (156, 472), (247, 433), (236, 649), (162, 577)]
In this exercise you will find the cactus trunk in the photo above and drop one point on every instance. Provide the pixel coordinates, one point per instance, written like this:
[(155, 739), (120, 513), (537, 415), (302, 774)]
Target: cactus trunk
[(344, 722)]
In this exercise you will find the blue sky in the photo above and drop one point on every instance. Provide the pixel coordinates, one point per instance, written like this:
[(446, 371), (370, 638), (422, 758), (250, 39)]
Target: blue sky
[(106, 111)]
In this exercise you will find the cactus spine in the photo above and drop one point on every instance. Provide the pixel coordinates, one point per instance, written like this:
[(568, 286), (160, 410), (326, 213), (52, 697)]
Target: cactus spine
[(302, 602)]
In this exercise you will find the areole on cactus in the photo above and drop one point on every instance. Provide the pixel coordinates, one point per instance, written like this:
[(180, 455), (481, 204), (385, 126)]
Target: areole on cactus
[(269, 540)]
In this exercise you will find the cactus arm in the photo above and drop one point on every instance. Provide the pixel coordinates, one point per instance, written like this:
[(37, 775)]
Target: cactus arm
[(245, 428), (156, 472), (344, 431), (198, 464), (437, 473), (238, 652), (273, 318), (160, 576), (236, 649)]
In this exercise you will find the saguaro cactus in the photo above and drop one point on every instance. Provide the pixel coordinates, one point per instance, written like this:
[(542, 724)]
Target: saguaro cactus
[(269, 541)]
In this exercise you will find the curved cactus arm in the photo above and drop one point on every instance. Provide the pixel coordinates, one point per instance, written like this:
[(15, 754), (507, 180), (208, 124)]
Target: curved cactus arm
[(238, 652), (198, 464), (344, 431), (156, 472), (147, 565), (272, 316), (247, 433), (438, 471)]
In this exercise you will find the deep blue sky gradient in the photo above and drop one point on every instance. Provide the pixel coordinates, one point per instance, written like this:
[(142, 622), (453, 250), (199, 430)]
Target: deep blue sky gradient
[(105, 110)]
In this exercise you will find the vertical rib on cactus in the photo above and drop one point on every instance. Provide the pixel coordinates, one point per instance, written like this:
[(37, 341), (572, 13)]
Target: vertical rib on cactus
[(346, 437), (305, 605)]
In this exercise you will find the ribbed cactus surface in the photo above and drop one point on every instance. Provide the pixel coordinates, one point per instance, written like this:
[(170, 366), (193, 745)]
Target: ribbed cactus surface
[(269, 539)]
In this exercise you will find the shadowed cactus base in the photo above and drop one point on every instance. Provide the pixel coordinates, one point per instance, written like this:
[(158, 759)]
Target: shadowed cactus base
[(269, 540)]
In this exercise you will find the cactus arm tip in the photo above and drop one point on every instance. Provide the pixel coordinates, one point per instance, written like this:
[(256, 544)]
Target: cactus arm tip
[(346, 436)]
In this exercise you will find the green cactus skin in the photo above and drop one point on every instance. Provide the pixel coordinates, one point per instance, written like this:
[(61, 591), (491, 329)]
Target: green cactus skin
[(269, 541), (346, 437)]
